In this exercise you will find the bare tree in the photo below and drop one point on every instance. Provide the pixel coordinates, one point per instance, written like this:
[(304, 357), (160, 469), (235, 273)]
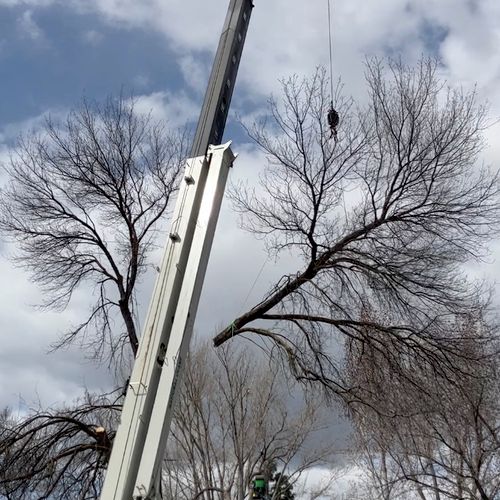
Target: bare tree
[(234, 420), (383, 218), (59, 453), (324, 488), (443, 444), (83, 202)]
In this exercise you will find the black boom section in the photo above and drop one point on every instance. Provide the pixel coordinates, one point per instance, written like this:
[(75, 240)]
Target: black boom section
[(220, 88)]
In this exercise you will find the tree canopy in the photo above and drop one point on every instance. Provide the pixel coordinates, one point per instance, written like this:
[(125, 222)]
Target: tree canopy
[(84, 199), (383, 218)]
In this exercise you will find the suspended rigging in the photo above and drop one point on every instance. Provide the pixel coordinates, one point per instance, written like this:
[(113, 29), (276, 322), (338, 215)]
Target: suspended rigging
[(332, 116)]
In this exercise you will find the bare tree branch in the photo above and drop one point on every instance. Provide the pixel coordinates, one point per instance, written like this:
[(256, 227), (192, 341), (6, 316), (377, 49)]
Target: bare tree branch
[(84, 199), (232, 421), (444, 444), (384, 218), (58, 453)]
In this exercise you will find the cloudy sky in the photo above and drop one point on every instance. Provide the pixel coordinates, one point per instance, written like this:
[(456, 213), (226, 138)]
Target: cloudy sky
[(53, 52)]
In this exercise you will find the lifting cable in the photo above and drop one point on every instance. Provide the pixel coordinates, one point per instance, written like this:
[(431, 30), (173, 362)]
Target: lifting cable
[(330, 45), (333, 116)]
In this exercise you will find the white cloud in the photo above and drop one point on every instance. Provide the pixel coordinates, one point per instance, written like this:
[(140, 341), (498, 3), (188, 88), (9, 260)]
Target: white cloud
[(195, 71), (337, 480), (33, 3), (141, 81), (92, 37), (11, 132), (27, 372), (29, 28), (290, 36), (187, 26), (175, 108)]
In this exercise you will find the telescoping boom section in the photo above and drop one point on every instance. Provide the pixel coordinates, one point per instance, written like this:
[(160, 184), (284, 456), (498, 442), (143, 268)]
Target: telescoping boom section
[(213, 116), (134, 470)]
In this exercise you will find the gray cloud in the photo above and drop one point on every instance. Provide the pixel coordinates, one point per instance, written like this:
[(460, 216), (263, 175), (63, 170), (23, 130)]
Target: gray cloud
[(27, 372)]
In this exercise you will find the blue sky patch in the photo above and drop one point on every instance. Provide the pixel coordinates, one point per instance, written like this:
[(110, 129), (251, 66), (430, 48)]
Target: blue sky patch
[(432, 35), (68, 55)]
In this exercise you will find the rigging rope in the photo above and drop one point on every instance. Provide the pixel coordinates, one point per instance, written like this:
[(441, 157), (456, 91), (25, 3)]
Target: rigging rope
[(254, 283), (330, 46), (333, 116)]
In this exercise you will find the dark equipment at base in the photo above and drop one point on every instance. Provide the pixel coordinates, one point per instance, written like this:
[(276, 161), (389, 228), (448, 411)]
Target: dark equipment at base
[(333, 121), (260, 487)]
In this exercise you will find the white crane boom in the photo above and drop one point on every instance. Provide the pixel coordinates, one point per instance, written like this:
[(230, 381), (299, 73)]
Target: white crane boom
[(134, 470)]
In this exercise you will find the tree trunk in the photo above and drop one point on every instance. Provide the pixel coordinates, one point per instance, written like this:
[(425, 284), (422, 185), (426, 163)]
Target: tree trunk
[(129, 325)]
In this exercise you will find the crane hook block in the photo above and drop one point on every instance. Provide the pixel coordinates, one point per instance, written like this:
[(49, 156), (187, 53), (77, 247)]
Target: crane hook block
[(333, 120)]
